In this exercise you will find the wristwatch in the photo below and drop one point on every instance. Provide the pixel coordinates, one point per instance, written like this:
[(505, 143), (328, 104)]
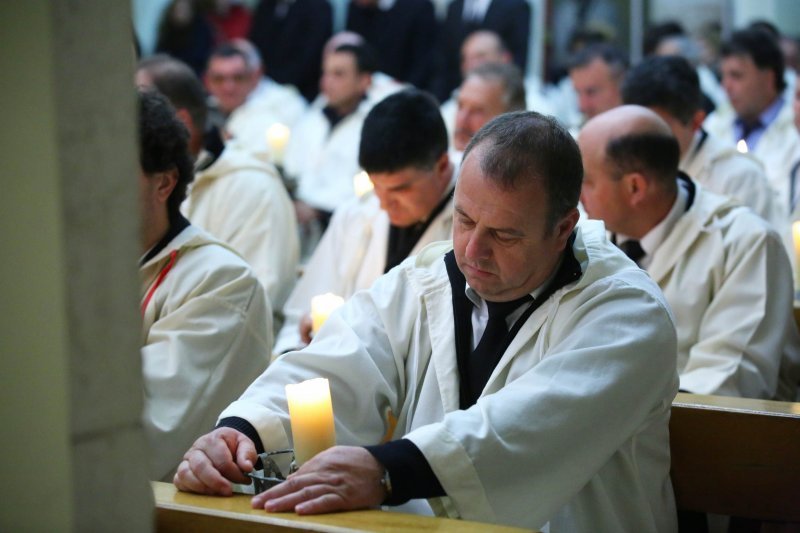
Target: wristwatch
[(386, 483)]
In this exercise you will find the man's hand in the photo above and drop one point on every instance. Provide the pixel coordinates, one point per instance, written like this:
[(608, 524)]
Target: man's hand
[(339, 479), (305, 213), (214, 460), (306, 325)]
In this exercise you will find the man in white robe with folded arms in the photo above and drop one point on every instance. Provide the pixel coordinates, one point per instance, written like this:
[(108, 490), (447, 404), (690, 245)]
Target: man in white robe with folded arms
[(552, 411)]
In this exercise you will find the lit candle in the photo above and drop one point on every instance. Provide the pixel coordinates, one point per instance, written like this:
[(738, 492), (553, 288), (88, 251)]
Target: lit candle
[(741, 146), (796, 239), (277, 139), (321, 308), (311, 414), (362, 184)]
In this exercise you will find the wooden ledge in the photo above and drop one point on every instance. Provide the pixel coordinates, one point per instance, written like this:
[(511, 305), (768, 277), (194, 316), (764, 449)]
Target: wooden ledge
[(736, 456), (181, 511), (737, 405)]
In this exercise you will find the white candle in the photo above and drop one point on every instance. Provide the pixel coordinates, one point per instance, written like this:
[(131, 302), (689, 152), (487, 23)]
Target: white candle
[(277, 139), (311, 414), (362, 184), (321, 308)]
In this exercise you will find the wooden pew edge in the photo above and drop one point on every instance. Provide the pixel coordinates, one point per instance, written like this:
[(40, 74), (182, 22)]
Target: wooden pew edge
[(700, 494), (737, 405)]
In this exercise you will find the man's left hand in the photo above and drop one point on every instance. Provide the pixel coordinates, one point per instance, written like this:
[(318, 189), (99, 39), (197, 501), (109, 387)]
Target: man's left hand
[(339, 479)]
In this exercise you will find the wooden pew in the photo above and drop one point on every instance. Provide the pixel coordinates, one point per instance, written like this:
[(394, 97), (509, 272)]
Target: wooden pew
[(181, 512), (730, 456), (736, 456)]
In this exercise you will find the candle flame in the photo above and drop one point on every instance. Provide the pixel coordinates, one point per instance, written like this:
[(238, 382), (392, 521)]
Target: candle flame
[(362, 184), (741, 146), (321, 308), (277, 139)]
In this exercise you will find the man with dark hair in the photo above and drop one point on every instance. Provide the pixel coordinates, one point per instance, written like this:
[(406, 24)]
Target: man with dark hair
[(249, 101), (752, 75), (669, 86), (404, 150), (189, 280), (323, 151), (237, 197), (723, 270), (489, 90), (597, 72), (480, 364)]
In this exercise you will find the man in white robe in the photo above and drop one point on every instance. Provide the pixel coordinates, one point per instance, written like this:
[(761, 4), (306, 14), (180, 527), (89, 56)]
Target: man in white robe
[(487, 91), (250, 102), (479, 48), (761, 123), (206, 324), (722, 268), (404, 149), (563, 423), (670, 87), (237, 197), (322, 155)]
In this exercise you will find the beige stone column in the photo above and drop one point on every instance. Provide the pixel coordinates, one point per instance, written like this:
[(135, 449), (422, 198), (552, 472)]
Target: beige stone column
[(72, 455)]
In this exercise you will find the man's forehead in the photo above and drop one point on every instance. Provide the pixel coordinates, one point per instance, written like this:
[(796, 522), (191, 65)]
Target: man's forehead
[(739, 62), (399, 178), (341, 60), (480, 197), (486, 92), (227, 63)]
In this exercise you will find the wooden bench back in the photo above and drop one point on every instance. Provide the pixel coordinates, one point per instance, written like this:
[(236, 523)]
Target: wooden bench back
[(736, 457)]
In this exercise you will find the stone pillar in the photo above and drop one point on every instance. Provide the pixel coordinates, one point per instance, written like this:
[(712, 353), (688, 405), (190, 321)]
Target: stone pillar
[(73, 452)]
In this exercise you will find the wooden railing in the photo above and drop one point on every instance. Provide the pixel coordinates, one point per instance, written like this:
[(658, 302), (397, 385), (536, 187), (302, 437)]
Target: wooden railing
[(730, 456), (735, 456), (181, 512)]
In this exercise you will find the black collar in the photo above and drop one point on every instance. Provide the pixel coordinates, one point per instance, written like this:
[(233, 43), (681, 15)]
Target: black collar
[(175, 227)]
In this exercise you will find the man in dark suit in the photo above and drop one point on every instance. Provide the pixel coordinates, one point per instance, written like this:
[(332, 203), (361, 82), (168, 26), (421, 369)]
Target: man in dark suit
[(510, 19), (403, 32), (290, 35)]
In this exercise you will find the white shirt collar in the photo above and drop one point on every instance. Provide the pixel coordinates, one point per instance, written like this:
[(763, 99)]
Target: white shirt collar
[(656, 236), (480, 311), (475, 9)]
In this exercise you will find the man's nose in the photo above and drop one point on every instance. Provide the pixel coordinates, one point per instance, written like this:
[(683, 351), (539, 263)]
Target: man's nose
[(384, 197), (477, 247)]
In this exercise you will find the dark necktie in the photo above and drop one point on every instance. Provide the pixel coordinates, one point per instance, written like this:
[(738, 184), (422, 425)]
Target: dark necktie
[(633, 250), (491, 346), (749, 127)]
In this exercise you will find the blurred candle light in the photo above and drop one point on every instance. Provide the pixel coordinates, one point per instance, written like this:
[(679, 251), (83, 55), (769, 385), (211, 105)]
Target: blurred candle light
[(277, 139), (321, 308), (362, 184), (741, 146), (311, 414)]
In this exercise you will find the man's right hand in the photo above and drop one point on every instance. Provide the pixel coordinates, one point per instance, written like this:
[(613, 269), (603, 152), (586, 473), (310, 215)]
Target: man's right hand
[(214, 461), (306, 326)]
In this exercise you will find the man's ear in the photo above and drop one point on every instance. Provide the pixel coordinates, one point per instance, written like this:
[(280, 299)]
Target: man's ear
[(565, 226), (698, 118), (185, 117), (165, 184), (442, 163), (636, 187)]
